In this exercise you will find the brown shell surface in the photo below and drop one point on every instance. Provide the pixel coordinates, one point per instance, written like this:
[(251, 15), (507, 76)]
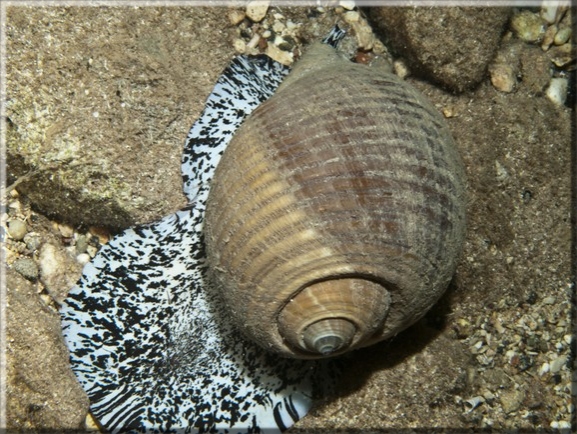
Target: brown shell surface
[(346, 172)]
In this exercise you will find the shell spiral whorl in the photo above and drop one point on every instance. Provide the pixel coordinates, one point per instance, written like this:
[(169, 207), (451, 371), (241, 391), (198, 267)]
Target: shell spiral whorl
[(336, 215)]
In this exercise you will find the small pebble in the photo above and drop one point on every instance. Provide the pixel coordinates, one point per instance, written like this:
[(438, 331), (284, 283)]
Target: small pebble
[(347, 4), (562, 36), (549, 37), (488, 395), (511, 400), (549, 12), (239, 46), (32, 241), (66, 231), (278, 27), (27, 268), (236, 16), (81, 244), (17, 229), (291, 26), (545, 367), (528, 26), (256, 10), (352, 17), (557, 364), (83, 258), (503, 78), (557, 90), (401, 69), (281, 56)]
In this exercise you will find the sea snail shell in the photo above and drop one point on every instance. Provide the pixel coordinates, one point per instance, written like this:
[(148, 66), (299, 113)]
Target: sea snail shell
[(337, 213)]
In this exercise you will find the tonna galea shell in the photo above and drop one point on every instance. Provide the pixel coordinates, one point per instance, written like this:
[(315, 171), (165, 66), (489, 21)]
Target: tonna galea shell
[(337, 213)]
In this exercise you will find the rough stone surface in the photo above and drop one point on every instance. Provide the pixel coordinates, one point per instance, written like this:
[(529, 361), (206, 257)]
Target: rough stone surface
[(449, 46), (99, 104), (59, 270), (516, 265), (42, 392), (27, 268)]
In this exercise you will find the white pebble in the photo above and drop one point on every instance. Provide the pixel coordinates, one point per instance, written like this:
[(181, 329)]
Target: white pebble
[(561, 425), (558, 363), (253, 41), (557, 90), (279, 55), (278, 27), (256, 9), (549, 11), (83, 258), (347, 4), (17, 229), (544, 368), (562, 36)]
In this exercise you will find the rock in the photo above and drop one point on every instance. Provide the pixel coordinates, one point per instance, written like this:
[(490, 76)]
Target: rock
[(42, 393), (236, 16), (495, 379), (347, 4), (256, 9), (65, 230), (562, 36), (511, 400), (549, 12), (81, 244), (557, 364), (528, 26), (281, 56), (83, 258), (27, 268), (122, 167), (506, 67), (17, 229), (59, 271), (449, 46), (503, 77), (549, 37), (557, 90), (32, 241)]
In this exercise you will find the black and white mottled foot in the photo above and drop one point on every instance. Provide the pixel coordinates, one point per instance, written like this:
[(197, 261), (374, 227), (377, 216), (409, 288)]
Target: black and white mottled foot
[(148, 337), (242, 87)]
